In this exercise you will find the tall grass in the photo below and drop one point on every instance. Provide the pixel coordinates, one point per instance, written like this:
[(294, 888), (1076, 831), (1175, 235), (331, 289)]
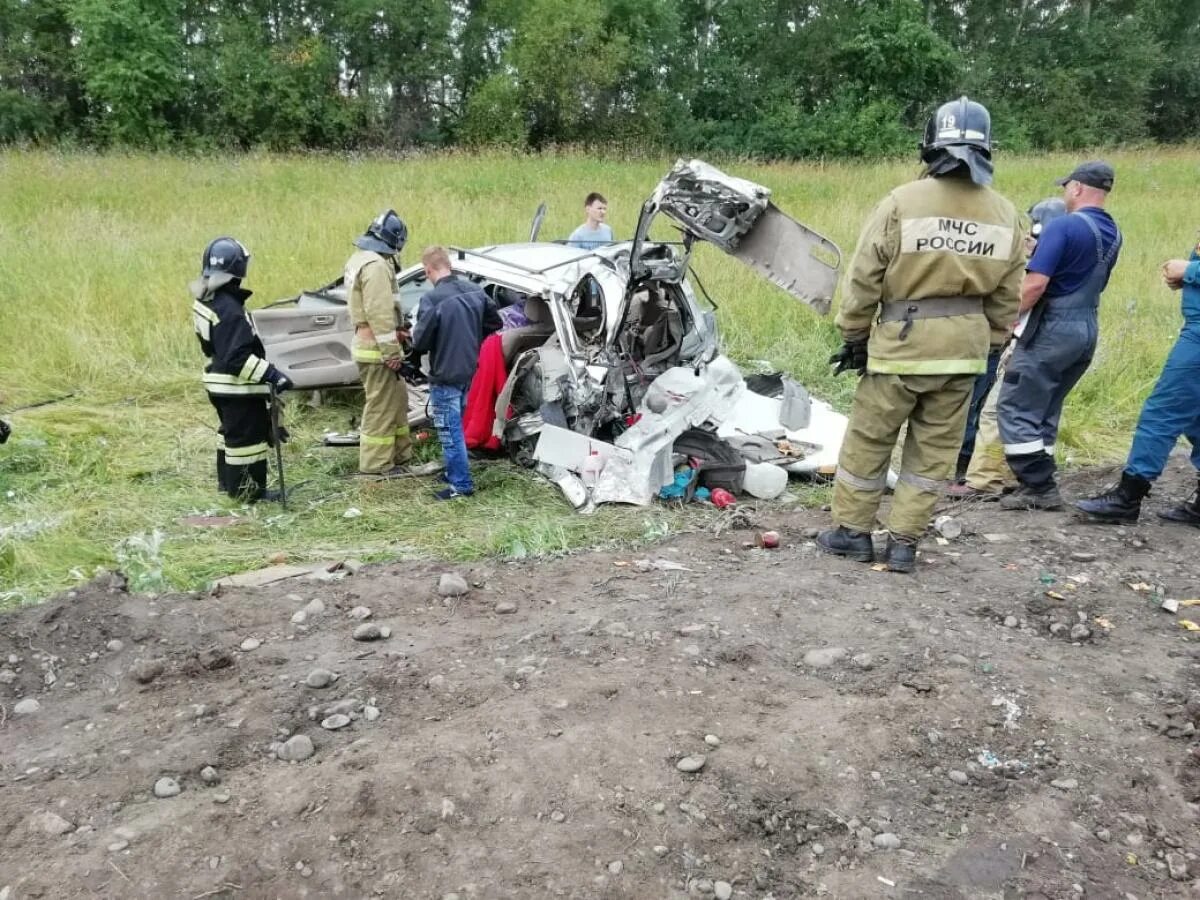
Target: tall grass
[(96, 250)]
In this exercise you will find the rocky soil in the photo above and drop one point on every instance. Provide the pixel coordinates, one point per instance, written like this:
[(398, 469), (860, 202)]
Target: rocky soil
[(700, 719)]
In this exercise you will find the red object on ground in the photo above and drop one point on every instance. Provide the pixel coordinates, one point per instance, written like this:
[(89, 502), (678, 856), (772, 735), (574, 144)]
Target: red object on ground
[(480, 413), (768, 540), (721, 498)]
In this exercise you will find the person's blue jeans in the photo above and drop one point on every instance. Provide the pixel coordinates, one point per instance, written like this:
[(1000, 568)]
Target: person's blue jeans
[(448, 401), (1171, 410), (983, 386)]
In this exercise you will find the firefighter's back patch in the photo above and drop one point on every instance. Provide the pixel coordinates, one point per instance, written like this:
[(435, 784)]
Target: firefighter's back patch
[(962, 237)]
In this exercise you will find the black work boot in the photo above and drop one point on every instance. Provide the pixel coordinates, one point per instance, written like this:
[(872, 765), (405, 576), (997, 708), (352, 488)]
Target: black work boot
[(1028, 498), (901, 554), (1120, 503), (1186, 513), (843, 541)]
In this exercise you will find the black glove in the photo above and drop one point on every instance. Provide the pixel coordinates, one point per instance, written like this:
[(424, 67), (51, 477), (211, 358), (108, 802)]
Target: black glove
[(412, 374), (279, 381), (853, 355), (5, 431)]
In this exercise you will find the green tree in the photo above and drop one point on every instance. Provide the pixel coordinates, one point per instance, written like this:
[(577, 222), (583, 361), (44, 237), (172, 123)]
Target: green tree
[(129, 54)]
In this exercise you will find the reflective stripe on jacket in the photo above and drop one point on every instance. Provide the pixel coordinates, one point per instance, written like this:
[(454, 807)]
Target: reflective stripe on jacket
[(935, 237), (237, 363), (370, 280)]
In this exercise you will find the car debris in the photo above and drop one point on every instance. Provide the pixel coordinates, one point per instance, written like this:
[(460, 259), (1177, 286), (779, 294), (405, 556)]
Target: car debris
[(616, 357)]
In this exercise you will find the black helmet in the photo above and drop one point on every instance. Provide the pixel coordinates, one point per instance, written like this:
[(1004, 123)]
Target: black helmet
[(387, 234), (1045, 211), (225, 256), (962, 131)]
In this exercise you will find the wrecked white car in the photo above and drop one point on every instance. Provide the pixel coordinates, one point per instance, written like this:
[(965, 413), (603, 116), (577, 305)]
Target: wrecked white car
[(611, 356)]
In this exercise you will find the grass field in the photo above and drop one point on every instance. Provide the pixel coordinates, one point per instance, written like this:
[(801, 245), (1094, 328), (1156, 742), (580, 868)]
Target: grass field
[(96, 251)]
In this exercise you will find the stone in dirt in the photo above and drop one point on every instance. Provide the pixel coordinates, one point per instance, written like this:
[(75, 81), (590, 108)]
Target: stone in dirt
[(146, 670), (691, 763), (722, 890), (1080, 632), (166, 787), (209, 775), (50, 823), (7, 676), (712, 740), (320, 678), (864, 661), (299, 617), (1065, 784), (334, 722), (616, 867), (505, 608), (825, 657), (958, 777), (887, 841), (361, 613), (1177, 866), (27, 707), (368, 631), (314, 607), (213, 658), (296, 748), (250, 643), (451, 584), (370, 713), (115, 646)]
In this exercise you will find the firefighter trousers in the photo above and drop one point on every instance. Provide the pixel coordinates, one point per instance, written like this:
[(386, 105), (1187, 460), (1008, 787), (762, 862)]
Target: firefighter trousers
[(988, 470), (243, 444), (935, 409), (383, 437)]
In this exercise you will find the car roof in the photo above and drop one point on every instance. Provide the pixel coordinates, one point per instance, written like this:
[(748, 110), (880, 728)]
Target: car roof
[(529, 267)]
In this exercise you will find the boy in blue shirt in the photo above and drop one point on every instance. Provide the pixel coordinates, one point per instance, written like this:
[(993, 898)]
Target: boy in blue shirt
[(594, 232)]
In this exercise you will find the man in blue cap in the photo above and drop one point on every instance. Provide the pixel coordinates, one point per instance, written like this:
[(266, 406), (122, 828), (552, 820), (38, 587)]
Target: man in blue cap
[(1058, 331), (1171, 410)]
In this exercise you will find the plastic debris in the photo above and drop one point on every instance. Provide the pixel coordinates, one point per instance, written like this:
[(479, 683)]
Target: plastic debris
[(1189, 625), (721, 498), (1194, 601), (948, 527), (1141, 587), (352, 513), (1103, 622), (1171, 606)]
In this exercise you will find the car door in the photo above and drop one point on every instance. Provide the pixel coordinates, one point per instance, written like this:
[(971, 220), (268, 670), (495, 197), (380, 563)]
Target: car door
[(738, 216), (309, 339)]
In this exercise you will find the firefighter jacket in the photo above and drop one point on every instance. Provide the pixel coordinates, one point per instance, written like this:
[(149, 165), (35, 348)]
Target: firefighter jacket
[(370, 281), (237, 363), (957, 246)]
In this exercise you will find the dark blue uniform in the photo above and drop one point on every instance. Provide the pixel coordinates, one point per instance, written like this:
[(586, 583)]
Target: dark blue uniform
[(1173, 407), (1077, 253)]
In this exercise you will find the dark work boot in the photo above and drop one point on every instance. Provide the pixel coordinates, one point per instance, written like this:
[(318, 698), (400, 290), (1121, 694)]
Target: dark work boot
[(901, 555), (1120, 503), (843, 541), (1028, 498), (1186, 513)]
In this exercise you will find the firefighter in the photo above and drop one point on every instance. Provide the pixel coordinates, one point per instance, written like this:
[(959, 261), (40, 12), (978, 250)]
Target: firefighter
[(384, 445), (932, 288), (238, 378), (1171, 410)]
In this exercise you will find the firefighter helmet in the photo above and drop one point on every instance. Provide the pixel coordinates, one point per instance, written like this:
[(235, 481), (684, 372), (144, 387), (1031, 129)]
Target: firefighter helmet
[(960, 130), (387, 234), (227, 256), (1045, 211)]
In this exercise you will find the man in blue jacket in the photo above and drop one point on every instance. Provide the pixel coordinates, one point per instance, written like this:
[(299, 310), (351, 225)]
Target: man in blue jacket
[(452, 321), (1171, 410)]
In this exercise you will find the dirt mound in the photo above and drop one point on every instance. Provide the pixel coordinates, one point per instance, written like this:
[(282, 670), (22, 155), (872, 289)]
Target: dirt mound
[(1016, 720)]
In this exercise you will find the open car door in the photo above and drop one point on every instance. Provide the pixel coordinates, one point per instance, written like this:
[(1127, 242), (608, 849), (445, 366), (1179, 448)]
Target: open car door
[(309, 340), (738, 216)]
